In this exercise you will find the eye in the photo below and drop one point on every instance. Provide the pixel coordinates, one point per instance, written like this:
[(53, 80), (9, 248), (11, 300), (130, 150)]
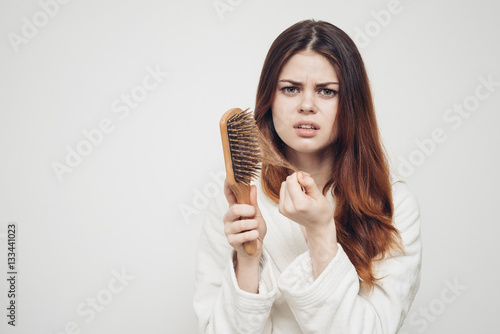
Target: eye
[(328, 92), (290, 90)]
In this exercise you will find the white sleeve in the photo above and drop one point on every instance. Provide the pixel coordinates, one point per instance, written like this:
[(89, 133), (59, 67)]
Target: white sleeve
[(334, 303), (220, 305)]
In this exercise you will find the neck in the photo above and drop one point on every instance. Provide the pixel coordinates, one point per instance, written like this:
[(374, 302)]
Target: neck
[(318, 165)]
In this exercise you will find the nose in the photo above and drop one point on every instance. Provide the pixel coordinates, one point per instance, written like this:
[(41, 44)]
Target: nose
[(307, 104)]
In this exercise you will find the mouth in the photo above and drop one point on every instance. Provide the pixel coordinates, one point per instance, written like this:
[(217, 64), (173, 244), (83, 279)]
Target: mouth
[(306, 129), (306, 125), (309, 127)]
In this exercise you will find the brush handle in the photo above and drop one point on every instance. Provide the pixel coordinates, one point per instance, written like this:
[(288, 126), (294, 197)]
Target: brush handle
[(242, 193)]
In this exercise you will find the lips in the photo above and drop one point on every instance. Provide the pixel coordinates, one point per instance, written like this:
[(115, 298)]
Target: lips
[(306, 129), (306, 125)]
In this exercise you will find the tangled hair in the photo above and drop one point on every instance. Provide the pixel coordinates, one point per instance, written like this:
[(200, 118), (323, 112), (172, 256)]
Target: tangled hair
[(360, 180)]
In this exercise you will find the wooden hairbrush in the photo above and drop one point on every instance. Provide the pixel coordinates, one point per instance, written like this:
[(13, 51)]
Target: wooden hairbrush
[(241, 156)]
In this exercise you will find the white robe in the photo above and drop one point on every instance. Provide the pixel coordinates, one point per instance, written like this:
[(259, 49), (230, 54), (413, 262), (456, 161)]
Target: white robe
[(290, 300)]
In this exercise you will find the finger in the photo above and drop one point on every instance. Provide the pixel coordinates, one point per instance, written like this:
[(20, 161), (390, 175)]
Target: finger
[(245, 225), (282, 198), (239, 226), (230, 196), (285, 203), (253, 199), (291, 200), (309, 184), (295, 190), (237, 240), (238, 211)]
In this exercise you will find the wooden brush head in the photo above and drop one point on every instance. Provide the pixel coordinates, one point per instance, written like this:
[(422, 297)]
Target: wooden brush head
[(241, 147)]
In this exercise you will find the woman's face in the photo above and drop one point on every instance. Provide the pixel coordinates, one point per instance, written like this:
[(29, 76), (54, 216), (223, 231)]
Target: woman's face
[(305, 104)]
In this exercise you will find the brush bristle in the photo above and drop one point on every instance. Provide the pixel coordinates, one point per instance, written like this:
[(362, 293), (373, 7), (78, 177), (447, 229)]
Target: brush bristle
[(244, 145)]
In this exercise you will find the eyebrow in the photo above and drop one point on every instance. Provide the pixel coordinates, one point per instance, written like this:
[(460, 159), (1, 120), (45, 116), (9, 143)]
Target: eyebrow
[(321, 85)]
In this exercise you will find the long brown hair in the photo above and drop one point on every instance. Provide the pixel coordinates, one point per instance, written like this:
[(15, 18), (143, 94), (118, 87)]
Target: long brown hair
[(360, 180)]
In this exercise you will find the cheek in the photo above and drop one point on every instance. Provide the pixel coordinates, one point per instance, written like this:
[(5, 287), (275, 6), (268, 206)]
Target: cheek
[(278, 122), (334, 128), (331, 118), (279, 115)]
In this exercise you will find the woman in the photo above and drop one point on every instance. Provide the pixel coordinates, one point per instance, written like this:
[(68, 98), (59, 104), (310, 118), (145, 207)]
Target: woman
[(339, 246)]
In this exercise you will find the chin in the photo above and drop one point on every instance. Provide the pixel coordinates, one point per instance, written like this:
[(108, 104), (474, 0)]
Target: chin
[(307, 149)]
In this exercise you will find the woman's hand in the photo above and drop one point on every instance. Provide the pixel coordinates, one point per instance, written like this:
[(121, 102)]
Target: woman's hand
[(244, 223), (308, 208), (312, 210)]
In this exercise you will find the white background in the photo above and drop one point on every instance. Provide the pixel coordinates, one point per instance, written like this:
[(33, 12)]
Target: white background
[(133, 204)]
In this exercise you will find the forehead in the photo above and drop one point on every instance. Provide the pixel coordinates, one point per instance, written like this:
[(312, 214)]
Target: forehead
[(308, 64)]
